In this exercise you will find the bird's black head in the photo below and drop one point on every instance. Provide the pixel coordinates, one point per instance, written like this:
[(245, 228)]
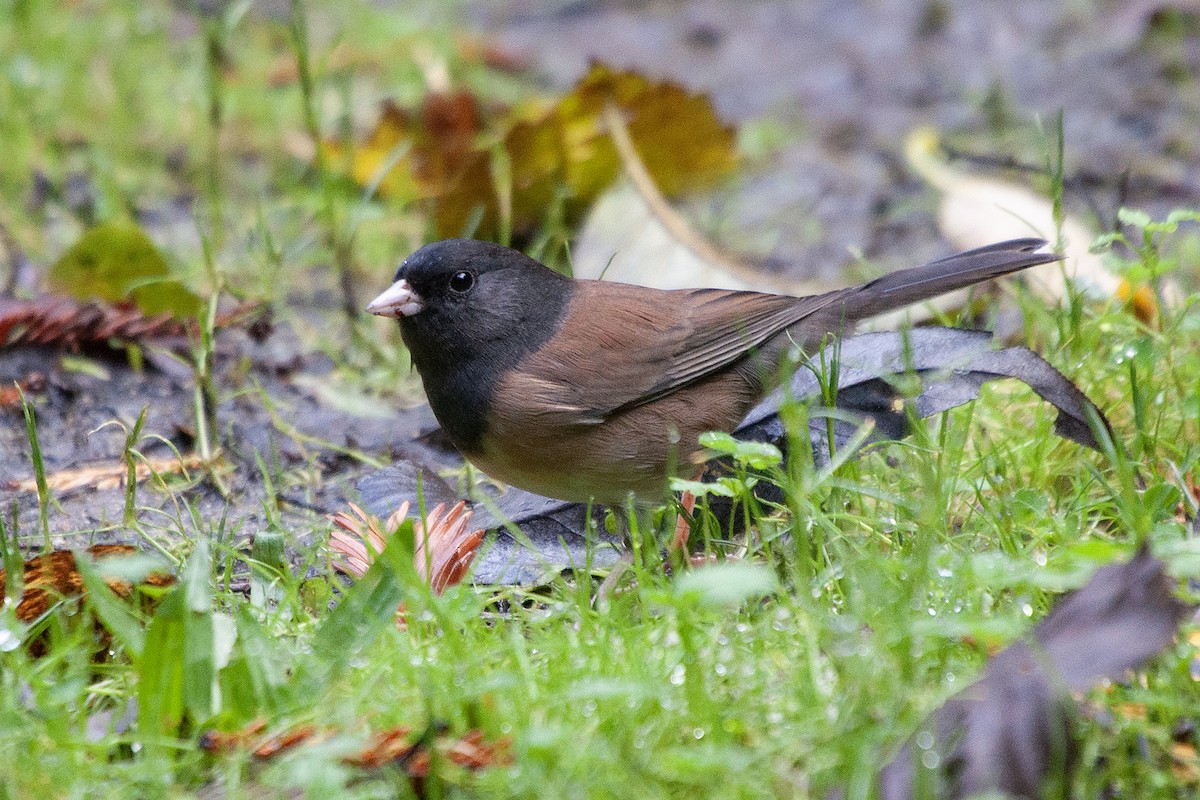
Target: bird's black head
[(468, 312), (458, 298)]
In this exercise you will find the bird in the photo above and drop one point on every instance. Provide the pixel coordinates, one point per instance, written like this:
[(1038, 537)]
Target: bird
[(598, 391)]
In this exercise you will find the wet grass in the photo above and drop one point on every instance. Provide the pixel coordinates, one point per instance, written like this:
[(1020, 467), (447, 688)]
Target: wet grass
[(881, 591)]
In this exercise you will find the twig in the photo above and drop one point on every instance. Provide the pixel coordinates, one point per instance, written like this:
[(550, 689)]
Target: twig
[(674, 223)]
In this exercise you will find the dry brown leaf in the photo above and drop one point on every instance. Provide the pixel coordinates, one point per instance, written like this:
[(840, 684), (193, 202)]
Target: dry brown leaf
[(277, 744), (678, 135), (53, 576), (214, 741), (431, 148), (384, 746), (398, 746), (472, 752), (109, 476)]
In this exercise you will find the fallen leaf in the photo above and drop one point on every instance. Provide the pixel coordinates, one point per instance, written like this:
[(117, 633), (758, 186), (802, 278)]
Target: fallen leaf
[(473, 752), (214, 741), (492, 53), (117, 261), (562, 151), (952, 364), (53, 576), (1012, 730), (385, 746), (287, 740), (624, 239), (974, 207), (678, 136), (420, 155), (397, 746), (633, 226)]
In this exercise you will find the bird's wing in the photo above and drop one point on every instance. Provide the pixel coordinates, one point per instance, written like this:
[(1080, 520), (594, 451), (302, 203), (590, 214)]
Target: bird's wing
[(723, 326), (631, 345)]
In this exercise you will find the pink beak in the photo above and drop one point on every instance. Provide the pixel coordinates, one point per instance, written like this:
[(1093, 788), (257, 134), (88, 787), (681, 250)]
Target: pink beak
[(398, 300)]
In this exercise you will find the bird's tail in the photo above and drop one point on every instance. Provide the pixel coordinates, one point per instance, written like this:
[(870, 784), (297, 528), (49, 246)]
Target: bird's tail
[(907, 286)]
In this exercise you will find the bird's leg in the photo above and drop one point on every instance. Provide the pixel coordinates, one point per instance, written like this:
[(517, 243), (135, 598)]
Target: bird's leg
[(609, 584), (683, 521), (638, 521)]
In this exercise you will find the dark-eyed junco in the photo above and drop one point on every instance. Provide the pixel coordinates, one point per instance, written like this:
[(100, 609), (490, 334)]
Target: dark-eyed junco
[(583, 390)]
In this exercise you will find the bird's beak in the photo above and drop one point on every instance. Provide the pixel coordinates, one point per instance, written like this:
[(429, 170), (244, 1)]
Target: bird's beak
[(398, 300)]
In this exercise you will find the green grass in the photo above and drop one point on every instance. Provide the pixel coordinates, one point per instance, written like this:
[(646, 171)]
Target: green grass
[(880, 593)]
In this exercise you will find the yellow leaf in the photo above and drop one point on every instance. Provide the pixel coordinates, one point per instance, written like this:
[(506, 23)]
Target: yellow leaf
[(565, 146)]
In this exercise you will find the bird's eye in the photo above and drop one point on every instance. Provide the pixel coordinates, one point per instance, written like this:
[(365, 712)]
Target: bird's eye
[(462, 282)]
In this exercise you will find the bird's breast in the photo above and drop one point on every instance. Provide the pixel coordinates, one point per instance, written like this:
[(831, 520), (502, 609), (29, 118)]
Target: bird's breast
[(561, 453)]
